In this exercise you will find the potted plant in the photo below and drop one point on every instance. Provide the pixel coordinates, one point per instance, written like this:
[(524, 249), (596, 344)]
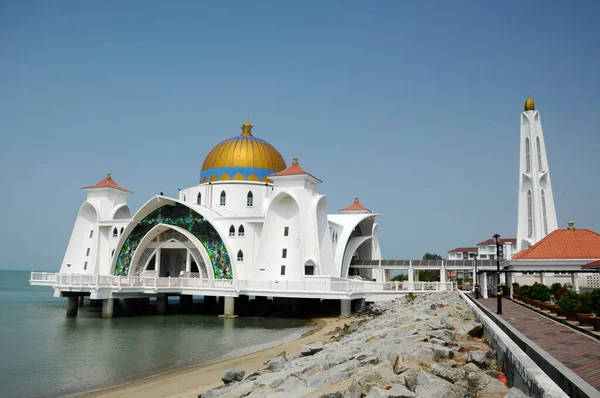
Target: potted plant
[(569, 303), (584, 309), (595, 299)]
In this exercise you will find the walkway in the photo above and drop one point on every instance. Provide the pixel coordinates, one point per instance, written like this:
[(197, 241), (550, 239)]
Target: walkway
[(575, 350)]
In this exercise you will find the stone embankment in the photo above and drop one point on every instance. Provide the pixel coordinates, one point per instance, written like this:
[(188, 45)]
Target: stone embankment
[(430, 346)]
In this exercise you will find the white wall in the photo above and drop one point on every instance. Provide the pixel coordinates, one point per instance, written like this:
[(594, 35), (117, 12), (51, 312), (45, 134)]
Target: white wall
[(76, 255)]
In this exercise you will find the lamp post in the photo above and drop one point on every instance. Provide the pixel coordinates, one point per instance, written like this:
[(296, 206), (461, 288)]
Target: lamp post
[(498, 288), (476, 277)]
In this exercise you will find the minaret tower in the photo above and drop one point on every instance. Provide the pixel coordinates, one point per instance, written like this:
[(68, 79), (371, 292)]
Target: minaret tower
[(536, 214)]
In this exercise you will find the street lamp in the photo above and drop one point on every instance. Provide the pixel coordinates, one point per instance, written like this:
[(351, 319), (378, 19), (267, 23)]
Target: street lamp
[(499, 253), (475, 281)]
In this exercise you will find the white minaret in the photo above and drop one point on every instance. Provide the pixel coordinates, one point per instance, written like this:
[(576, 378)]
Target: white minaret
[(537, 215)]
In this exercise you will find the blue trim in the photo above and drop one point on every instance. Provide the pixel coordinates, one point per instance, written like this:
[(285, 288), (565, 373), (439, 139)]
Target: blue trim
[(245, 171)]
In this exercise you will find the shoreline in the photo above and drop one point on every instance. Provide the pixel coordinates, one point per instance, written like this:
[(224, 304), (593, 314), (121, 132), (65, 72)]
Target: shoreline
[(193, 380)]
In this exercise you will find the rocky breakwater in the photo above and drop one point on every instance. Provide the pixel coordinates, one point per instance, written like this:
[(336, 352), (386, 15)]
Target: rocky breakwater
[(423, 346)]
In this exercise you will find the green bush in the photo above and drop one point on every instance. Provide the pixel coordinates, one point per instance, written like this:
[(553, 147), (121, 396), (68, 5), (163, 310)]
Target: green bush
[(516, 288), (554, 289), (410, 297), (539, 291), (569, 301), (585, 304), (524, 291), (595, 297)]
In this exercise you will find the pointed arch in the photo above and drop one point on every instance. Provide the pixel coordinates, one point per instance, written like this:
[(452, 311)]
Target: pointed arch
[(199, 198), (543, 195), (223, 198), (249, 199), (527, 155), (232, 231), (240, 255), (529, 214), (241, 230), (539, 153), (121, 231)]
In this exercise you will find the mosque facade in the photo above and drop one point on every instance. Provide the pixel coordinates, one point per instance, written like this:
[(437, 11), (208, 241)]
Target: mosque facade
[(250, 217)]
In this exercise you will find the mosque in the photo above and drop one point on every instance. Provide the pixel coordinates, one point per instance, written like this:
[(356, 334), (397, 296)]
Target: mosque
[(251, 217)]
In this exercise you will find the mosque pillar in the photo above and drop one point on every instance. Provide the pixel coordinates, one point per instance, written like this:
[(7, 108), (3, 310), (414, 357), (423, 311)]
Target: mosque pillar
[(474, 279), (229, 308), (157, 261), (442, 278), (345, 308), (161, 304), (188, 262), (411, 277), (72, 305), (509, 282), (483, 282), (107, 308)]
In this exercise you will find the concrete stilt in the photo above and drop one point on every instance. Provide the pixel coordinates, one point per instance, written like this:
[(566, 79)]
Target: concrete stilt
[(229, 308), (186, 300), (241, 303), (81, 298), (361, 304), (161, 305), (72, 304), (107, 308), (483, 283), (345, 308), (210, 305)]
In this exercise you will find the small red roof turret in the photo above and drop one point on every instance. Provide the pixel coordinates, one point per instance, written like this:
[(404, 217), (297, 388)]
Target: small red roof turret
[(107, 182)]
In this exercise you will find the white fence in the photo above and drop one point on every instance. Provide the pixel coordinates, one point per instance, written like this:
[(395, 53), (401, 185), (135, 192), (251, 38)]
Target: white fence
[(310, 285)]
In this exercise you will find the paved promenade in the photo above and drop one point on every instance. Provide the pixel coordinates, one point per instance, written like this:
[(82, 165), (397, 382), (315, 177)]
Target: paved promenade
[(575, 350)]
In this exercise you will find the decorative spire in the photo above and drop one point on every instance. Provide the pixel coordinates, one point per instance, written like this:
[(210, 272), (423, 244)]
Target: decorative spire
[(356, 200), (571, 226), (529, 104), (295, 162), (108, 176), (247, 129)]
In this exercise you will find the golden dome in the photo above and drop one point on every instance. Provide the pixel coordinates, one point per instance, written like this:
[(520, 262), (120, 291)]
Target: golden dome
[(244, 157), (529, 104)]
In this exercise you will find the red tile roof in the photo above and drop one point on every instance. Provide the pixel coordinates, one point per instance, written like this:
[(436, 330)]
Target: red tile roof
[(593, 264), (356, 206), (292, 170), (503, 241), (564, 244), (464, 249), (108, 182)]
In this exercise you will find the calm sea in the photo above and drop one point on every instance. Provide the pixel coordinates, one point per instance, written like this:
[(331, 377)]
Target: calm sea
[(44, 353)]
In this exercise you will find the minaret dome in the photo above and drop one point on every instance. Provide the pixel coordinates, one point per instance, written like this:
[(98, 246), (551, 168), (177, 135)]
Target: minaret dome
[(529, 104)]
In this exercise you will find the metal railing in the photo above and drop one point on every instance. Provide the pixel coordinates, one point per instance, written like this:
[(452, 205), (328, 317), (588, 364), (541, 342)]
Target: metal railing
[(320, 285)]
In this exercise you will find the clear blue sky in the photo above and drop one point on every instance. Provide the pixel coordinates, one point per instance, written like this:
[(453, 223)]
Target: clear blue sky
[(412, 106)]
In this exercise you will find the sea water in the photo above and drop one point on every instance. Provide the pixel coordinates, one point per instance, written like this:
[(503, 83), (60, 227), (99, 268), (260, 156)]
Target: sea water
[(44, 353)]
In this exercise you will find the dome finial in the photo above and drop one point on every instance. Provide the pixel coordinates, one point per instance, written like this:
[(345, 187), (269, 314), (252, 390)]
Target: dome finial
[(529, 104), (356, 200), (246, 128), (108, 176), (571, 225), (295, 160)]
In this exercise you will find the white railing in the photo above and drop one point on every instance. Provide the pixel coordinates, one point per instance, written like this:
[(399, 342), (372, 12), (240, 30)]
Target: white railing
[(316, 285)]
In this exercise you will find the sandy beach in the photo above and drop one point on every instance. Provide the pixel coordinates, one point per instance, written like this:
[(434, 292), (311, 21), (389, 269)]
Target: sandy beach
[(191, 381)]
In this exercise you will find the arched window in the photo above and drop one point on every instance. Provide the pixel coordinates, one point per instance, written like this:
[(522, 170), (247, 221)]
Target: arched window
[(232, 231), (250, 199), (241, 230), (184, 198), (112, 254), (544, 213), (223, 198), (199, 200), (539, 153), (122, 230), (115, 232), (240, 256), (527, 156), (529, 214)]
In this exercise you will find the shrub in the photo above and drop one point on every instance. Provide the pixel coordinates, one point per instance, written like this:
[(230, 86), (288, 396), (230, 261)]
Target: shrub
[(569, 301), (410, 297), (554, 290), (540, 292), (585, 304), (516, 289), (524, 291), (595, 297), (565, 288)]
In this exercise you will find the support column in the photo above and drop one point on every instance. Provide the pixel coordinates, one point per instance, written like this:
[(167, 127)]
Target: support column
[(188, 262), (345, 308), (107, 308), (161, 305), (483, 283), (186, 300), (442, 278), (543, 278), (575, 281), (360, 304), (509, 282), (474, 279), (72, 305), (157, 261), (411, 276), (229, 308), (81, 298)]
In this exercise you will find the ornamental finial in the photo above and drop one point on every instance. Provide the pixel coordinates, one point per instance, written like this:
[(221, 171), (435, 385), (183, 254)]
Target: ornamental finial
[(571, 225), (108, 176), (295, 162), (246, 128), (529, 104), (356, 199)]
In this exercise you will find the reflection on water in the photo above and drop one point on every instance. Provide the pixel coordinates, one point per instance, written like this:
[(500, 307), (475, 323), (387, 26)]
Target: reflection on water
[(44, 353)]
